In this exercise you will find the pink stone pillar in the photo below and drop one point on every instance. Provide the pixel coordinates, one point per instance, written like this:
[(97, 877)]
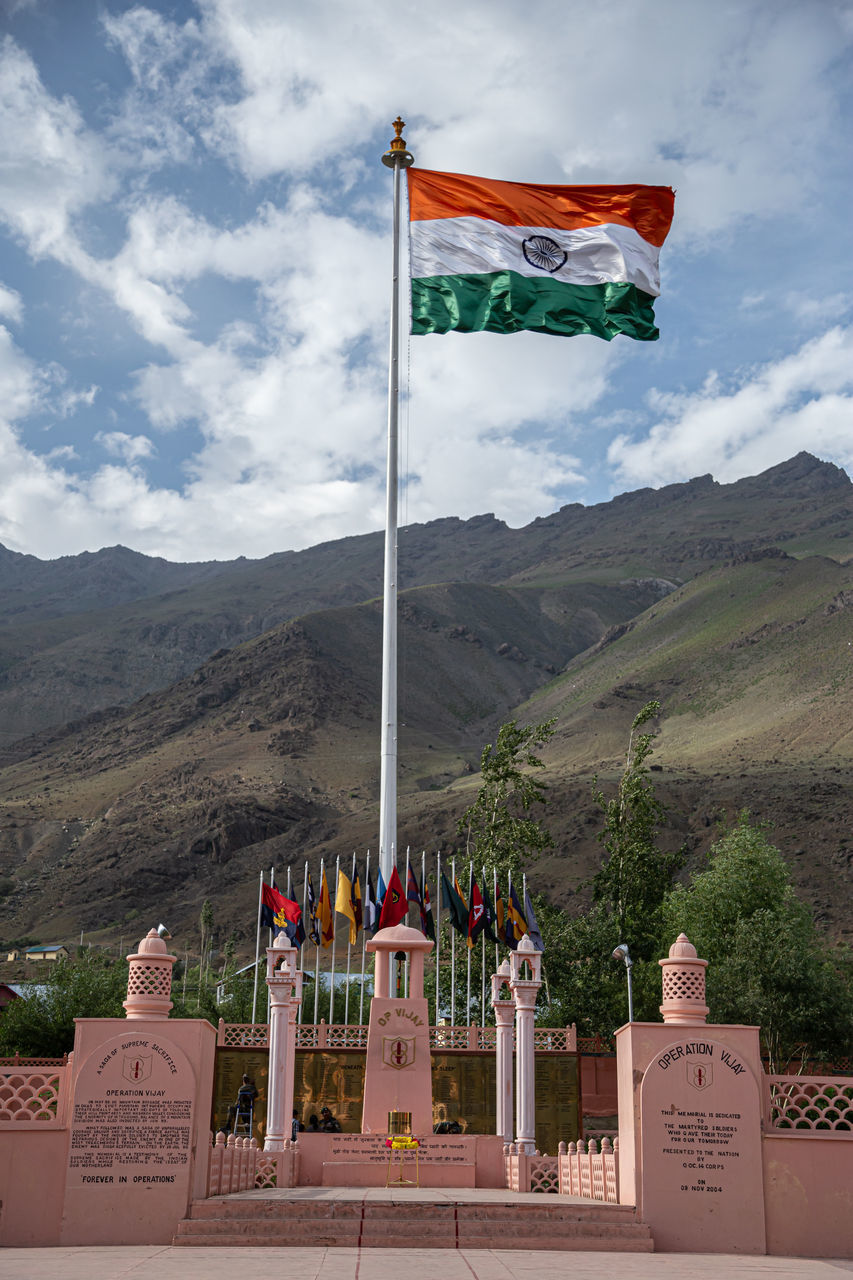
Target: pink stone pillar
[(504, 1015), (525, 981), (149, 980), (397, 1074), (285, 985)]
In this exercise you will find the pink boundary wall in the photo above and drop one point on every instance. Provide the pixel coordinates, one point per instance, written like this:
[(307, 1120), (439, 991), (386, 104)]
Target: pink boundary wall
[(793, 1196), (803, 1204), (32, 1183)]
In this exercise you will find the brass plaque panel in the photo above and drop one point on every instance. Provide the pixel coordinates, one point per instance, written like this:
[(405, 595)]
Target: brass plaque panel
[(463, 1089), (231, 1066), (330, 1078)]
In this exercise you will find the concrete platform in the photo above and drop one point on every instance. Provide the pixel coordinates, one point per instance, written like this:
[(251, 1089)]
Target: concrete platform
[(423, 1217), (343, 1173), (168, 1263)]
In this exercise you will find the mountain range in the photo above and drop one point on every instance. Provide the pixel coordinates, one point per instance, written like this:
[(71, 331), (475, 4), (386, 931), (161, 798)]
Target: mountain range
[(170, 730)]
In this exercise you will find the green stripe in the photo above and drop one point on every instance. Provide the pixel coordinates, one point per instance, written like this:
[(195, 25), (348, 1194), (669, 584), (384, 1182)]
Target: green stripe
[(505, 302)]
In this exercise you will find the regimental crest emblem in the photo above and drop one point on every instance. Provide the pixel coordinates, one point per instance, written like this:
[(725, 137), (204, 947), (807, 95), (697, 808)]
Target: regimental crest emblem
[(137, 1067), (398, 1051), (700, 1074)]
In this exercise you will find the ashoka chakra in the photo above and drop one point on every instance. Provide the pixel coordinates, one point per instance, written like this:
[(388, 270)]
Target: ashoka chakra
[(543, 252)]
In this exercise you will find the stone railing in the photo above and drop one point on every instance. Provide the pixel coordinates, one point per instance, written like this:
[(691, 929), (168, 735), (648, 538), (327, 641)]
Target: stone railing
[(309, 1035), (34, 1092), (585, 1171), (243, 1035), (533, 1172), (809, 1105), (233, 1165), (595, 1044), (238, 1164)]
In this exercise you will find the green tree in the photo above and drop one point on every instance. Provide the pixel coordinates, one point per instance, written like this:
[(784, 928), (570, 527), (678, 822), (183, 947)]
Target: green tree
[(768, 964), (206, 926), (238, 992), (500, 828), (41, 1025), (587, 985), (632, 882)]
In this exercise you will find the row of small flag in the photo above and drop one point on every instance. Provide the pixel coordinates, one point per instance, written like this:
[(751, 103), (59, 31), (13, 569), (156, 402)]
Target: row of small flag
[(502, 921)]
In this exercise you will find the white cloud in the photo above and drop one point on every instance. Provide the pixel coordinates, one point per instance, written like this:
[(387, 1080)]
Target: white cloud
[(129, 448), (237, 155), (733, 429), (169, 63), (50, 165), (709, 99), (21, 388), (811, 311), (11, 305)]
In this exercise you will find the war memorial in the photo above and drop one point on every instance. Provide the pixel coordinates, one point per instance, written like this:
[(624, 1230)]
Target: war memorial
[(131, 1140), (122, 1144)]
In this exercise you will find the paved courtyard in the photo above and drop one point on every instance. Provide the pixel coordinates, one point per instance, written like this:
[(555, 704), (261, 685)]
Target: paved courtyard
[(167, 1263)]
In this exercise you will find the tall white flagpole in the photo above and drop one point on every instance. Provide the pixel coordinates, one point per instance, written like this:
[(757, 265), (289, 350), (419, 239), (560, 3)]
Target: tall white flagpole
[(483, 963), (395, 158), (317, 949), (468, 988), (363, 944), (495, 904), (257, 947), (437, 918), (453, 953), (304, 918), (334, 931), (269, 943), (349, 950)]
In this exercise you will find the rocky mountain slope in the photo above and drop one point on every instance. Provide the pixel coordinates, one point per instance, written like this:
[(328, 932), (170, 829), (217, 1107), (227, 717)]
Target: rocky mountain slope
[(732, 604)]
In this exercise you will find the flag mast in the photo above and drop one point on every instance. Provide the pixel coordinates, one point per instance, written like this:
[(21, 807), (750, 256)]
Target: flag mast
[(395, 158)]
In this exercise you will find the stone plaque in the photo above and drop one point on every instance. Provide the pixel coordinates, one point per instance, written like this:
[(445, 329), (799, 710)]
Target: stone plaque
[(131, 1141), (701, 1149)]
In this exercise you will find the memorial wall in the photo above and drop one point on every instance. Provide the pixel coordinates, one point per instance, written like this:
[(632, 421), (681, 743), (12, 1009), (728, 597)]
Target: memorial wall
[(463, 1089)]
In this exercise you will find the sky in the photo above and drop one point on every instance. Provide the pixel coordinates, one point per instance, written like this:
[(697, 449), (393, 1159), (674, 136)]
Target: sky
[(195, 260)]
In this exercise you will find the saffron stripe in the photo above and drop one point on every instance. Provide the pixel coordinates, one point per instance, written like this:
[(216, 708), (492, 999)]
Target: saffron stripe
[(434, 195)]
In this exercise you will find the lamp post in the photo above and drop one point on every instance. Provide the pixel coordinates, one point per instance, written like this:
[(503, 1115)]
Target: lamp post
[(621, 953)]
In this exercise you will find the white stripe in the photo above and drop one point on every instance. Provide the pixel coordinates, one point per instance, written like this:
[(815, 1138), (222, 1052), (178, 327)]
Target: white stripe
[(604, 254)]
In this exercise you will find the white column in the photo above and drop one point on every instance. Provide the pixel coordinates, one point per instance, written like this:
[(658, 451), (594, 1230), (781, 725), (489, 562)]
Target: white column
[(285, 988), (525, 1087), (290, 1072), (525, 981), (504, 1015)]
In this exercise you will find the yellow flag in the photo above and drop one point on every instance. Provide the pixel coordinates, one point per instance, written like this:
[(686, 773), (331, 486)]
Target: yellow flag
[(343, 903)]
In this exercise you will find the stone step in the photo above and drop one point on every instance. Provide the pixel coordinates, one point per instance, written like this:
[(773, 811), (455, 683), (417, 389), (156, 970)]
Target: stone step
[(583, 1244), (550, 1210), (375, 1231), (280, 1222), (346, 1173)]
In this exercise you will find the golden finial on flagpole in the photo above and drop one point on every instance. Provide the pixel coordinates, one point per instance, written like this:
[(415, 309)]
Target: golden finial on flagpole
[(397, 153)]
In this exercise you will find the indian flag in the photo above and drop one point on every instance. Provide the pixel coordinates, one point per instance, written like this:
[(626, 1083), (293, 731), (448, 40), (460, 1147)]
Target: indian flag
[(506, 256)]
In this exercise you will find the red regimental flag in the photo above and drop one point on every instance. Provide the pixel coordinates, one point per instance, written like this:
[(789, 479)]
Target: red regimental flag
[(476, 914), (395, 906)]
